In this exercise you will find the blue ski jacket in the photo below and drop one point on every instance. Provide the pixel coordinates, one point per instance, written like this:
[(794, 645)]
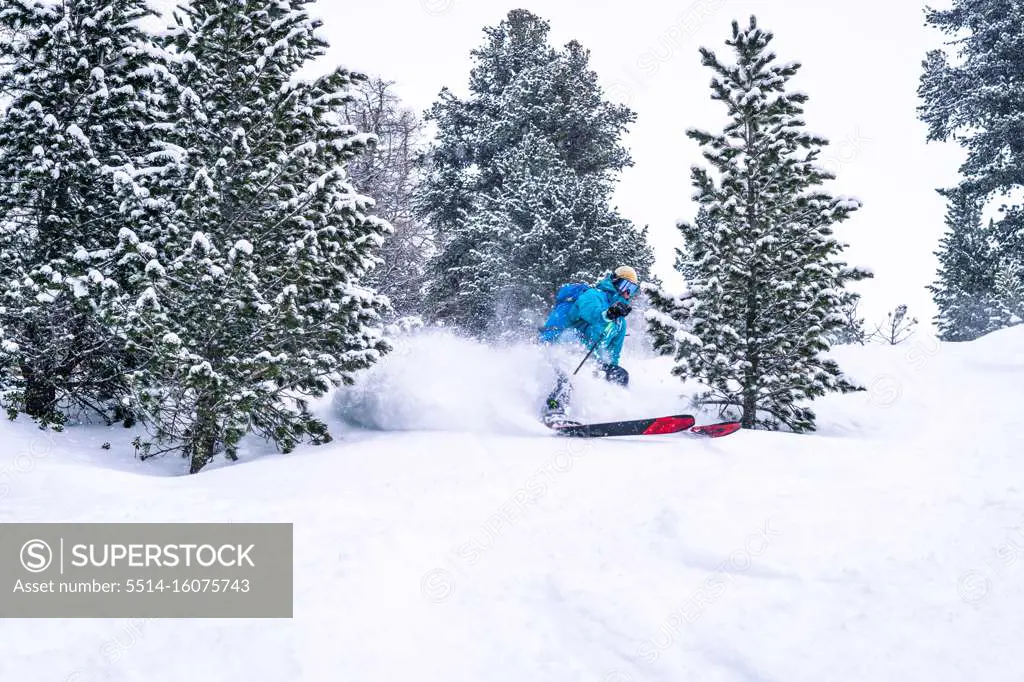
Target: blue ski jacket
[(587, 322)]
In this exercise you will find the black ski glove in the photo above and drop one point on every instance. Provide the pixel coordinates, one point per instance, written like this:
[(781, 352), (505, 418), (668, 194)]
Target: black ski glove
[(618, 310)]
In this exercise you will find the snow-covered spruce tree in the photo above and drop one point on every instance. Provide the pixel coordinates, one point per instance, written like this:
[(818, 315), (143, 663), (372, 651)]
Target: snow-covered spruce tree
[(977, 96), (852, 331), (976, 99), (1009, 291), (254, 301), (968, 262), (520, 181), (79, 146), (1009, 268), (507, 274), (767, 288), (669, 319)]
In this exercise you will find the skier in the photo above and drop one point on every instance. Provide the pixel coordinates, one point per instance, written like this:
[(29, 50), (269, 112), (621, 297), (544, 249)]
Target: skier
[(594, 317)]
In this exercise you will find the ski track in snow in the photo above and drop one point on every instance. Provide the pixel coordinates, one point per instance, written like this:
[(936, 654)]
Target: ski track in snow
[(446, 536)]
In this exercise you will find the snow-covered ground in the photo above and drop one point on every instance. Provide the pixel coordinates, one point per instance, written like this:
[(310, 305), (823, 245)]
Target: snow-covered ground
[(445, 537)]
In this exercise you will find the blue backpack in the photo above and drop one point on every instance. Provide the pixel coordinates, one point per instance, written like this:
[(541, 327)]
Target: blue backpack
[(558, 320)]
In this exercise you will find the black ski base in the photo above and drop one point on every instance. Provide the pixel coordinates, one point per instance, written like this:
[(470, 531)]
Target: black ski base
[(631, 427)]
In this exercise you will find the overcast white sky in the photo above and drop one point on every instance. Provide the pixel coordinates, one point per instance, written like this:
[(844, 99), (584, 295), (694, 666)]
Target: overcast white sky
[(861, 66)]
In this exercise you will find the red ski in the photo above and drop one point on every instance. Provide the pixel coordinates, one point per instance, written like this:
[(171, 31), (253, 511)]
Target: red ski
[(716, 430)]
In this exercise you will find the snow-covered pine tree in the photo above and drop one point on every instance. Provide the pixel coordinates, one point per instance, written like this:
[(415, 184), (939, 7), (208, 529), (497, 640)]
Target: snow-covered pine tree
[(852, 331), (968, 261), (79, 146), (975, 98), (669, 319), (1009, 290), (520, 181), (767, 287), (254, 302), (508, 272)]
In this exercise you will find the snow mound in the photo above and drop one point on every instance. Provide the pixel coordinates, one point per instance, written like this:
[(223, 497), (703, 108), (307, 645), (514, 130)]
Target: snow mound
[(1004, 347)]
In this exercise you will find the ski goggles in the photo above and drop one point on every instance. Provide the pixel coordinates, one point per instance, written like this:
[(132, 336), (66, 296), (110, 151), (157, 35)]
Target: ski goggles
[(627, 288)]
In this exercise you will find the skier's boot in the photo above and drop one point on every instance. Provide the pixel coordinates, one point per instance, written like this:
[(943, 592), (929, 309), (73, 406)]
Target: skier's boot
[(554, 413)]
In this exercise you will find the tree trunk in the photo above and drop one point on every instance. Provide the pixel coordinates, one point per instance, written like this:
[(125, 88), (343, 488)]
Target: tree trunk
[(752, 351), (750, 375), (752, 355), (749, 419), (40, 394), (204, 436)]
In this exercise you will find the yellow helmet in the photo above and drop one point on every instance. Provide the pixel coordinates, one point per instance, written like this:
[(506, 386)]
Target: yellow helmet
[(626, 272)]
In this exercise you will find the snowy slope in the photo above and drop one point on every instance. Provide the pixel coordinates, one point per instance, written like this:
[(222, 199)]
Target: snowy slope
[(457, 541)]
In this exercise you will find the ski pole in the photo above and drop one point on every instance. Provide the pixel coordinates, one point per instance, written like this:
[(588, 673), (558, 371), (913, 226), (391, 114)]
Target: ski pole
[(607, 329)]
